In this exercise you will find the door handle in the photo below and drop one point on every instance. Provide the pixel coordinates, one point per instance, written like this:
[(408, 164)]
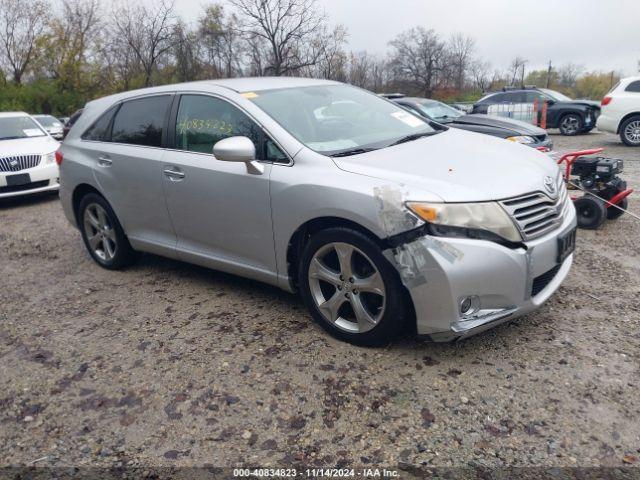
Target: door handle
[(173, 173), (104, 161)]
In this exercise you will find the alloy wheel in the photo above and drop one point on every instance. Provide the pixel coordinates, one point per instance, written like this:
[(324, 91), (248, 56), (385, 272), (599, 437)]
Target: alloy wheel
[(347, 287), (570, 125), (101, 235), (632, 132)]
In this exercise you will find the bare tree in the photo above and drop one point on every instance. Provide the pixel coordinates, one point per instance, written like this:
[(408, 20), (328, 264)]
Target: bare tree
[(516, 69), (148, 32), (360, 69), (479, 71), (283, 35), (419, 56), (185, 52), (72, 35), (461, 50), (332, 59), (221, 45), (22, 23), (568, 74)]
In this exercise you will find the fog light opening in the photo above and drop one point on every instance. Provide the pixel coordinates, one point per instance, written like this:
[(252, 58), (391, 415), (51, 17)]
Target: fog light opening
[(469, 306)]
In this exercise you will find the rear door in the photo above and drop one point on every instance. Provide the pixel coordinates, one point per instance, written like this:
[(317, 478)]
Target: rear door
[(128, 169), (221, 213)]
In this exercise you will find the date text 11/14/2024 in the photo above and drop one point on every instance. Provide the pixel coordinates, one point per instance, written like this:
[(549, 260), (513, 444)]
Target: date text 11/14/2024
[(315, 473)]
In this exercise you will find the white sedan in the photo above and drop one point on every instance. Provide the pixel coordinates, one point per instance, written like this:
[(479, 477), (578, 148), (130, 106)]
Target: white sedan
[(621, 111), (27, 156)]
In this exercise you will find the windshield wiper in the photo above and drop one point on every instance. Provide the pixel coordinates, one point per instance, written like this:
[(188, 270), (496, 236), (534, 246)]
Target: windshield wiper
[(11, 138), (353, 151), (412, 137)]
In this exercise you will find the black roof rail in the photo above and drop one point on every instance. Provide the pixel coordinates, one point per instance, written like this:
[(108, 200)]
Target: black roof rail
[(392, 96)]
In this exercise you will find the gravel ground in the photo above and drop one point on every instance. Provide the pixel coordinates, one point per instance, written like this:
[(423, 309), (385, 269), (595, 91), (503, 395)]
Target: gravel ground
[(172, 364)]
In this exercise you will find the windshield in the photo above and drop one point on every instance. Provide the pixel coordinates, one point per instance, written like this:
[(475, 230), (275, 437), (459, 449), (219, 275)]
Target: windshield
[(48, 121), (19, 127), (439, 111), (556, 95), (334, 119)]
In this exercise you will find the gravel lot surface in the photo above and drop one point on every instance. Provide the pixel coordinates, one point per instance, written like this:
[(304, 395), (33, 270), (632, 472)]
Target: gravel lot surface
[(171, 364)]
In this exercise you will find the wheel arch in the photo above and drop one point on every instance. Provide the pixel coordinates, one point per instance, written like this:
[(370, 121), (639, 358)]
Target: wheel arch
[(78, 194), (303, 233), (625, 118)]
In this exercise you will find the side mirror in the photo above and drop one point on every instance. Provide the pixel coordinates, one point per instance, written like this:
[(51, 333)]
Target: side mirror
[(238, 149)]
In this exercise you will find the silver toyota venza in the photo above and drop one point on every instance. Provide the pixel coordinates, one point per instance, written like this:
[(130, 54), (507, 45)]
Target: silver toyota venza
[(377, 217)]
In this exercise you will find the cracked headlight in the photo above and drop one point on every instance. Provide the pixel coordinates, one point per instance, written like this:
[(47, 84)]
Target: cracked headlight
[(485, 220), (49, 158), (524, 139)]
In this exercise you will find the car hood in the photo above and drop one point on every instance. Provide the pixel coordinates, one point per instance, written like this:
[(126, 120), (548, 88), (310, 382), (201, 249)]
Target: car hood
[(458, 166), (507, 124), (587, 103), (28, 146)]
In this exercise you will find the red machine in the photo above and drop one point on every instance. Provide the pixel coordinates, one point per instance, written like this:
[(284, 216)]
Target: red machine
[(603, 189)]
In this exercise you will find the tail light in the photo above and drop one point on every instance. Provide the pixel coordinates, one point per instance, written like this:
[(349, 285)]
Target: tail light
[(606, 101), (59, 157)]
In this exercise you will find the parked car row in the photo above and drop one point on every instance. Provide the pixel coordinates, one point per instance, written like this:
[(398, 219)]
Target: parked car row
[(513, 130), (571, 117)]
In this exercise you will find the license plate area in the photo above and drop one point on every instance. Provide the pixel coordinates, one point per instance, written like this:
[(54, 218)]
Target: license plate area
[(566, 245), (17, 180)]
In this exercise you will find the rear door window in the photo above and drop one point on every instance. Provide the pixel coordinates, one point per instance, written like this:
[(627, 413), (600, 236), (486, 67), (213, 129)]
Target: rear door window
[(141, 121), (497, 98)]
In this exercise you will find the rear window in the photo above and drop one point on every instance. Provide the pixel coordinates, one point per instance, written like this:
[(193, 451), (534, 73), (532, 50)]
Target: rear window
[(141, 121), (493, 98), (633, 87)]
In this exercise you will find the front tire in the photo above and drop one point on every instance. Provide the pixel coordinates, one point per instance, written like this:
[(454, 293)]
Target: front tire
[(571, 124), (351, 289), (103, 235), (630, 131)]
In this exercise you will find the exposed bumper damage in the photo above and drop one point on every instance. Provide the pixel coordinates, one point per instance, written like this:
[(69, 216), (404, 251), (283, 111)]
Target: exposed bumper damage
[(440, 272)]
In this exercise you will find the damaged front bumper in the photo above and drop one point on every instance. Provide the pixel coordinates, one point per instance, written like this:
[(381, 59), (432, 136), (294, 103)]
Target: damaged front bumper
[(502, 283)]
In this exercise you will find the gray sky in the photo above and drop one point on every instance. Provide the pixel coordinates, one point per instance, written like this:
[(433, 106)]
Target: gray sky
[(599, 34)]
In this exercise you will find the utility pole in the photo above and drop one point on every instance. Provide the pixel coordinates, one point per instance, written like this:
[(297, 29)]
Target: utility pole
[(549, 75), (524, 63)]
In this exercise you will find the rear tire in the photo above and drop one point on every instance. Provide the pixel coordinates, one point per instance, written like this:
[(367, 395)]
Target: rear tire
[(103, 235), (614, 213), (351, 289), (571, 124), (630, 131), (591, 212)]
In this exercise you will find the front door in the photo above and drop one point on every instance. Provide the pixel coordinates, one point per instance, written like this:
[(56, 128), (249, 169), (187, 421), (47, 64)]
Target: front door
[(221, 213)]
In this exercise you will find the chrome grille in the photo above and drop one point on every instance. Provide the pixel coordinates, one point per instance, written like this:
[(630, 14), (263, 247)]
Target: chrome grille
[(16, 163), (537, 213)]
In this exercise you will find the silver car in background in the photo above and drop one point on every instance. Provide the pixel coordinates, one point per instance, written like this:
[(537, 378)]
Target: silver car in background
[(377, 217)]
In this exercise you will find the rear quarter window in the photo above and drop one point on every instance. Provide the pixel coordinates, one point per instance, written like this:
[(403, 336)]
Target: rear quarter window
[(100, 131), (633, 87)]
